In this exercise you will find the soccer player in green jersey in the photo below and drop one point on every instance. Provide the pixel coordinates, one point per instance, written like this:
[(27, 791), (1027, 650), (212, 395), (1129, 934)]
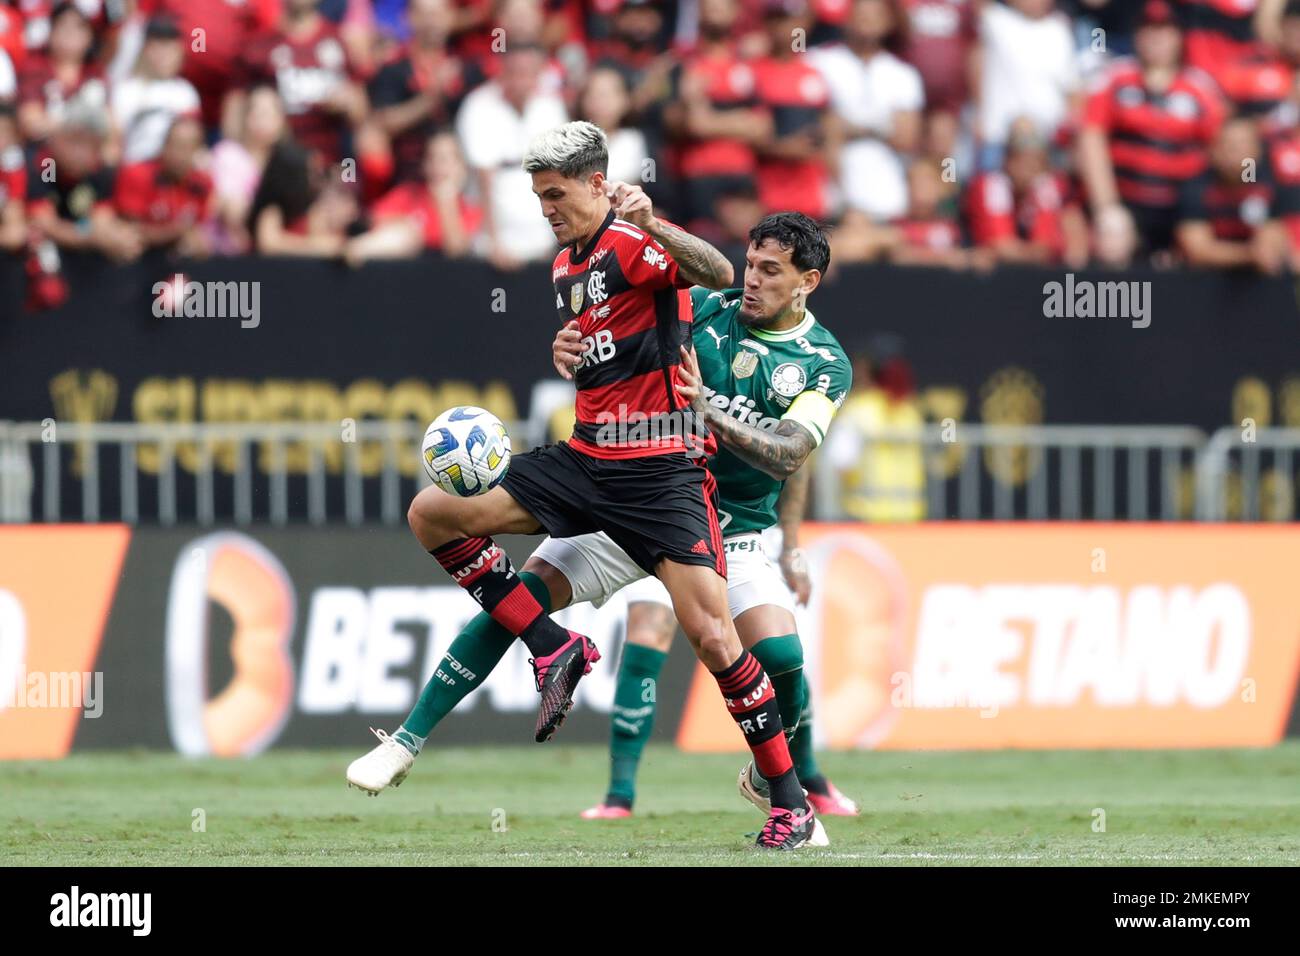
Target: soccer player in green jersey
[(768, 395)]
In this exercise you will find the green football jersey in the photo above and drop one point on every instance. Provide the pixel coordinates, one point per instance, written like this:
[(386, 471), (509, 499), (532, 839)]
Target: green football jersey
[(762, 377)]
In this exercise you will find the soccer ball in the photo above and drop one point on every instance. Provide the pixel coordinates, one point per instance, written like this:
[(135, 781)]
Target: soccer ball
[(466, 451)]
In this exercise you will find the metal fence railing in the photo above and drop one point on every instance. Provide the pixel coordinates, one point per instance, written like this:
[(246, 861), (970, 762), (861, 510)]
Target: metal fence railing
[(354, 472), (367, 472), (1012, 472), (1248, 474)]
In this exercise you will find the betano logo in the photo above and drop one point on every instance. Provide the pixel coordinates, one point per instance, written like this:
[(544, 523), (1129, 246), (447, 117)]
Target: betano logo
[(1049, 645), (246, 579), (989, 636)]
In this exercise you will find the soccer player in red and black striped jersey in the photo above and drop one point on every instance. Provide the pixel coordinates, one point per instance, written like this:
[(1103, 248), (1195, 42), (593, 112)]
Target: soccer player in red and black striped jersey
[(634, 466), (1146, 131)]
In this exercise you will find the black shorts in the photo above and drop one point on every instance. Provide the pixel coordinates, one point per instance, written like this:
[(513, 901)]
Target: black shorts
[(658, 506)]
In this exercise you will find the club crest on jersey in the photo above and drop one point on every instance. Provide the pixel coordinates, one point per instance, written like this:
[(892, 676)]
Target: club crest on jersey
[(575, 297), (743, 365), (788, 380)]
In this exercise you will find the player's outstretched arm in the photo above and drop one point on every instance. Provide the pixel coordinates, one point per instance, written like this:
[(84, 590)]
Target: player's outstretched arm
[(697, 261), (779, 453)]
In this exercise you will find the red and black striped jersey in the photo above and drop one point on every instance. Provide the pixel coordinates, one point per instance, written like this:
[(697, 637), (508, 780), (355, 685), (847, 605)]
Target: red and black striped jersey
[(634, 312), (1219, 37), (1157, 140), (1234, 209)]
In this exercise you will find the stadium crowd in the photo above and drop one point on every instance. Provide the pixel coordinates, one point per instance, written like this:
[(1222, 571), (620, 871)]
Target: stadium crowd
[(956, 133)]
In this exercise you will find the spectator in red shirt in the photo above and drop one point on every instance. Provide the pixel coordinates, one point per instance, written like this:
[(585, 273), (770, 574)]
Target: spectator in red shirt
[(792, 174), (51, 80), (719, 121), (1022, 212), (307, 61), (1282, 125), (168, 199), (1227, 219), (431, 214), (418, 93), (1222, 40), (1146, 128), (13, 183)]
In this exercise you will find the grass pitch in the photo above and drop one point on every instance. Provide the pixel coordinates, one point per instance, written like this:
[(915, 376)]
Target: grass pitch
[(519, 806)]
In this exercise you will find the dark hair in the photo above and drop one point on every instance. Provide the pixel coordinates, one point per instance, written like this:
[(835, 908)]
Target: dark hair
[(286, 183), (798, 233)]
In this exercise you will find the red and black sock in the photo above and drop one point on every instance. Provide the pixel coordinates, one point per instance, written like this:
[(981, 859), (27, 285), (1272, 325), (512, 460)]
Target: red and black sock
[(747, 691), (483, 569)]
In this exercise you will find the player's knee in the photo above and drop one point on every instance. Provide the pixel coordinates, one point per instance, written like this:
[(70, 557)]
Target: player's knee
[(425, 519), (415, 518), (779, 655), (650, 624), (712, 640)]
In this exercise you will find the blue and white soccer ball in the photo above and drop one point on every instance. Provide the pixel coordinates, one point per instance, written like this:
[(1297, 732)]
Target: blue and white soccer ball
[(466, 451)]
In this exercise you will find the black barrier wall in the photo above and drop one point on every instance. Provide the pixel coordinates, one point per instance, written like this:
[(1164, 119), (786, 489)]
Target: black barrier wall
[(310, 341), (406, 339)]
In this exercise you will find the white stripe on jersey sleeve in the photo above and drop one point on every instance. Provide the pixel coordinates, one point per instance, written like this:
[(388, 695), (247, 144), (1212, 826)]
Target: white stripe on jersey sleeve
[(618, 225)]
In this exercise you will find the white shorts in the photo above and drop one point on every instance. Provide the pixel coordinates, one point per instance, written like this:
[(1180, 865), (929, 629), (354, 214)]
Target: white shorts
[(597, 568)]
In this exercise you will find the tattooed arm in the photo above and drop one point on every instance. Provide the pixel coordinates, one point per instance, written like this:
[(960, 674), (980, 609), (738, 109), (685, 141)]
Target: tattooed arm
[(779, 453), (697, 261)]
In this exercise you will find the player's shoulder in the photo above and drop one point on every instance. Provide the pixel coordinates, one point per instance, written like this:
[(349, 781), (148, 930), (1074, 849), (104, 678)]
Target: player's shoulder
[(629, 244), (624, 236)]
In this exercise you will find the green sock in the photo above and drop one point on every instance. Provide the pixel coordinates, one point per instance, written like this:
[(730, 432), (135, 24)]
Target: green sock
[(801, 745), (632, 720), (469, 660), (782, 659)]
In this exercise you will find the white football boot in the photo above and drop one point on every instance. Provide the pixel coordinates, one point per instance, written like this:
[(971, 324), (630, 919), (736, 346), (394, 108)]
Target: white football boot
[(754, 788), (385, 766)]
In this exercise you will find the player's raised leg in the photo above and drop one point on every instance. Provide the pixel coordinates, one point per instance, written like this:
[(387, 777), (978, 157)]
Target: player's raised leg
[(456, 531), (472, 656)]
